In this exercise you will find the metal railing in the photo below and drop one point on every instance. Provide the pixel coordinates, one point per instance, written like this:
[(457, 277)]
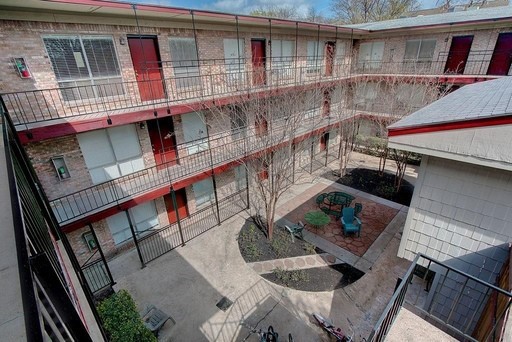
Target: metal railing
[(192, 158), (193, 81), (163, 240), (49, 295), (452, 300)]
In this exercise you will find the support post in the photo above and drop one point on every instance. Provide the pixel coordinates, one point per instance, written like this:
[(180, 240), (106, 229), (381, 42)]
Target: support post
[(100, 250), (178, 219), (216, 197), (132, 229), (293, 163), (326, 138), (247, 186), (311, 162)]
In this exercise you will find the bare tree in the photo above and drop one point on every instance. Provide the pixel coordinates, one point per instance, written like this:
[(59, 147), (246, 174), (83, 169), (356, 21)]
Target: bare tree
[(268, 137), (363, 11), (276, 11), (384, 100)]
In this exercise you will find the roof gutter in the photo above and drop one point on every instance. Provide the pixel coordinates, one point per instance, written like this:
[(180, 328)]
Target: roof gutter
[(206, 13), (454, 125)]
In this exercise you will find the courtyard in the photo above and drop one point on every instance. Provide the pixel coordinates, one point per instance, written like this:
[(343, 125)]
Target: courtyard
[(188, 282)]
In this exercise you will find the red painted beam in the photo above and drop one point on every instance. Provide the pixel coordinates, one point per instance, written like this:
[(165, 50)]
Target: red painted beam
[(151, 195), (447, 126)]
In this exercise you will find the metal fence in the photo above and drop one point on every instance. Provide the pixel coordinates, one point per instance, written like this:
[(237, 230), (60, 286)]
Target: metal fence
[(451, 300), (165, 239), (215, 78)]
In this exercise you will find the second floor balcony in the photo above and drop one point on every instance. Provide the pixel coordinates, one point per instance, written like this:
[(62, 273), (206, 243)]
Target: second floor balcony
[(160, 87), (193, 160)]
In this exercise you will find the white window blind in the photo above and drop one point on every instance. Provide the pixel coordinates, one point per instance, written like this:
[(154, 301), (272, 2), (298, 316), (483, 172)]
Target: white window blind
[(195, 132), (315, 56), (234, 54), (240, 177), (111, 153), (86, 66), (203, 192), (420, 50), (370, 55), (143, 216), (283, 52), (184, 62), (419, 54)]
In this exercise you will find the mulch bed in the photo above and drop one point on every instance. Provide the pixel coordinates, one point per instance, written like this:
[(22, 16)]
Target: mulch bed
[(319, 279), (371, 182), (254, 245)]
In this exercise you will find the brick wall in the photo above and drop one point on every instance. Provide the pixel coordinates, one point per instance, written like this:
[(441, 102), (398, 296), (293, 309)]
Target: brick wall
[(394, 48)]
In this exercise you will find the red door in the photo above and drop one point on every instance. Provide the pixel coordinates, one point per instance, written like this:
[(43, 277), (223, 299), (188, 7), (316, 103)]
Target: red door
[(181, 201), (163, 141), (502, 55), (147, 66), (258, 62), (329, 57), (458, 55), (326, 108), (324, 140)]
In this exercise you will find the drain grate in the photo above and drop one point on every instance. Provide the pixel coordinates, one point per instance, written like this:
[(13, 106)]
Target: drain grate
[(224, 303)]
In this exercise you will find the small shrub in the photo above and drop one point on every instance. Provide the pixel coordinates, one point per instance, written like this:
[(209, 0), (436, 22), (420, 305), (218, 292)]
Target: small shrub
[(309, 248), (280, 243), (252, 251), (121, 319), (385, 191), (288, 277)]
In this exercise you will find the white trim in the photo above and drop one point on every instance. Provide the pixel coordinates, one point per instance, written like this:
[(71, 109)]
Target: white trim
[(451, 156)]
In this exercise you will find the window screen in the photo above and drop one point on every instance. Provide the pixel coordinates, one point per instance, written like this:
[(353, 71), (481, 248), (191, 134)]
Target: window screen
[(420, 50), (184, 62), (282, 52), (203, 192), (111, 153), (86, 67), (144, 217), (315, 55)]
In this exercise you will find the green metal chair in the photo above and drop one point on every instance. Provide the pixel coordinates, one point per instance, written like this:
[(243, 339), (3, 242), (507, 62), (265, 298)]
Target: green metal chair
[(358, 207), (320, 199)]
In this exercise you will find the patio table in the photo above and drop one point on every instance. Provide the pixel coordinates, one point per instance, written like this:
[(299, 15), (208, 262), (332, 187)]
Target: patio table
[(317, 219), (335, 202)]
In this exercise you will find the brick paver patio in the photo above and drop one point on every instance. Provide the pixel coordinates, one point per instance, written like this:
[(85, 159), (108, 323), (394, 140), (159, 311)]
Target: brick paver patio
[(374, 217)]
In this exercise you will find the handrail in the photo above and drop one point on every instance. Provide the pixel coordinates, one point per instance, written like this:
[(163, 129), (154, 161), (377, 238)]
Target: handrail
[(217, 77), (398, 298)]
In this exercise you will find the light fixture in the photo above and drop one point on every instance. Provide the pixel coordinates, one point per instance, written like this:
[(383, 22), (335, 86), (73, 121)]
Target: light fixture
[(109, 121), (122, 40), (142, 125)]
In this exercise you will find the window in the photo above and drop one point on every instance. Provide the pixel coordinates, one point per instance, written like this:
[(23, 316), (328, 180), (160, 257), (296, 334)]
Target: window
[(366, 96), (419, 52), (283, 52), (184, 62), (238, 120), (86, 64), (143, 216), (195, 132), (370, 55), (312, 105), (203, 192), (315, 56), (240, 177), (111, 153)]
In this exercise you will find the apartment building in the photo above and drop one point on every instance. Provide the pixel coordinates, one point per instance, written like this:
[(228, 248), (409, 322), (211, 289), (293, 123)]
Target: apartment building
[(135, 118)]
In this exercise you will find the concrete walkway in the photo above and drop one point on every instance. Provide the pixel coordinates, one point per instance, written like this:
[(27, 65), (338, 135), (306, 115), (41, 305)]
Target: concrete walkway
[(189, 281), (295, 263)]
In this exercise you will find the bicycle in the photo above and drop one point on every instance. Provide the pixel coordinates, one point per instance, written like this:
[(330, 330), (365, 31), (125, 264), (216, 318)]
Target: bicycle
[(267, 336)]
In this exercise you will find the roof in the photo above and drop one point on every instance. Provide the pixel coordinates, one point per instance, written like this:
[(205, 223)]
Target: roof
[(504, 12), (490, 99)]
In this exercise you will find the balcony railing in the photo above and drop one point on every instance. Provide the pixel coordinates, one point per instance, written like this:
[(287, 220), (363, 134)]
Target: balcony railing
[(192, 81), (192, 158), (446, 297), (209, 80)]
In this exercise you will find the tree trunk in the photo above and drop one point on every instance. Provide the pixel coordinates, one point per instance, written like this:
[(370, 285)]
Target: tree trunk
[(271, 209)]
